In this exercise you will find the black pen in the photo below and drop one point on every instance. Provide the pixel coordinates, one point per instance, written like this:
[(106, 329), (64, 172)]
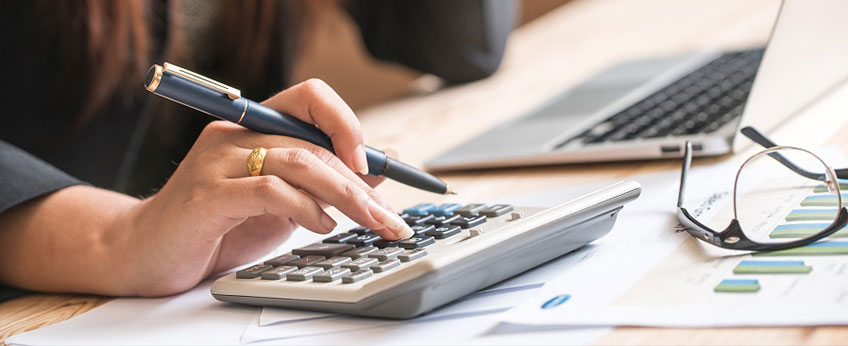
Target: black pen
[(226, 103)]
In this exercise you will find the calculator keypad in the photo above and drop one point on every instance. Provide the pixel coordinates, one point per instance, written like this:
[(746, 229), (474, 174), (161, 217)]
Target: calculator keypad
[(360, 254)]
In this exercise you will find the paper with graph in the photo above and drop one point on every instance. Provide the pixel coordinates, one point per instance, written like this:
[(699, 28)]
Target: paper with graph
[(698, 284)]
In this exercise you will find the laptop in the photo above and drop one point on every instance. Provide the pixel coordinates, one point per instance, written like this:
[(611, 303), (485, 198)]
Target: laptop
[(647, 109)]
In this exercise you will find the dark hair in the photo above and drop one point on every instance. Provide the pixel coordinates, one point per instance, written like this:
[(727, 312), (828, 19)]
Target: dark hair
[(107, 45)]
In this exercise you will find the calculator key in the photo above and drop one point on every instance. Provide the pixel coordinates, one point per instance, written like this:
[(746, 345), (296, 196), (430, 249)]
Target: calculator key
[(441, 221), (322, 249), (411, 255), (385, 265), (414, 220), (341, 238), (307, 261), (331, 275), (417, 242), (446, 209), (469, 221), (496, 210), (278, 273), (360, 230), (444, 232), (384, 243), (420, 209), (304, 274), (356, 276), (420, 230), (360, 252), (281, 260), (364, 240), (331, 263), (386, 254), (360, 264), (252, 272), (470, 210)]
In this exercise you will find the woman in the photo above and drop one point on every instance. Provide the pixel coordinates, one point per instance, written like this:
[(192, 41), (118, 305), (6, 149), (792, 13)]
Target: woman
[(80, 136)]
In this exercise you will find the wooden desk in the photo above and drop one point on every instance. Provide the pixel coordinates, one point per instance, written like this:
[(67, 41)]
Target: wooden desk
[(543, 58)]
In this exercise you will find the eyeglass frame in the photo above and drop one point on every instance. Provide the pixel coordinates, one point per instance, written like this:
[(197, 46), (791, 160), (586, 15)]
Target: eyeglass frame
[(732, 237)]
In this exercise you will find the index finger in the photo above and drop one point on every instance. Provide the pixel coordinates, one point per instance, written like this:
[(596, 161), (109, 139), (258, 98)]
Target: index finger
[(313, 101)]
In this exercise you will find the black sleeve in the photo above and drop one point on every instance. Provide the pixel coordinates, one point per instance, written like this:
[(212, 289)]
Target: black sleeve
[(24, 177), (458, 40)]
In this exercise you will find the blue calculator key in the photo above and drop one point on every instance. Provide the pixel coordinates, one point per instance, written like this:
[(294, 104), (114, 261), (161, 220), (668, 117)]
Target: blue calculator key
[(420, 209), (445, 209)]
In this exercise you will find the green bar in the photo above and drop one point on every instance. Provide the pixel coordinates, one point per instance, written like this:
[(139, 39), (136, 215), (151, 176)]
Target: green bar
[(804, 232), (810, 216), (822, 188), (806, 251), (737, 288), (820, 202), (772, 269)]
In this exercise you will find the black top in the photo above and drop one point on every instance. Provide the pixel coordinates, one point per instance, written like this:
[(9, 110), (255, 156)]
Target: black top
[(130, 147)]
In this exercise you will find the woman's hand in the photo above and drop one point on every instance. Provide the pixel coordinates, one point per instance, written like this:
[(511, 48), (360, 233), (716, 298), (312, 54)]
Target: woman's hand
[(211, 215)]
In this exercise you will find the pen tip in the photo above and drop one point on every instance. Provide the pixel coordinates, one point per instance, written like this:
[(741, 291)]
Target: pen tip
[(450, 191)]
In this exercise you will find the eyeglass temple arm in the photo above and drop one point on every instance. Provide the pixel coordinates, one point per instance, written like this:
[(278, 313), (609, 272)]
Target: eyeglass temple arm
[(687, 161), (761, 139)]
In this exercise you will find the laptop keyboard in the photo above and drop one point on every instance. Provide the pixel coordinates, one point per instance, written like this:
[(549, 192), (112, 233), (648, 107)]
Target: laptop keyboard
[(700, 102)]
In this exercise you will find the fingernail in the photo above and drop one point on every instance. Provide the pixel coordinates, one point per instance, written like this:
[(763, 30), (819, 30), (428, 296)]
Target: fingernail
[(328, 222), (360, 160), (391, 220)]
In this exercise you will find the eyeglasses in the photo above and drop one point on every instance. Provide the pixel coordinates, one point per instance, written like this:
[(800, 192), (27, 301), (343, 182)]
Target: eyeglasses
[(779, 181)]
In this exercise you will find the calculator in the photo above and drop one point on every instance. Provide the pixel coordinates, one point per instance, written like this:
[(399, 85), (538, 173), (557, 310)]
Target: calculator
[(457, 249)]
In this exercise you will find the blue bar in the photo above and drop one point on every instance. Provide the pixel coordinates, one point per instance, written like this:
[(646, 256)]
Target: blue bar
[(739, 282), (446, 209), (772, 263), (803, 225), (804, 211), (830, 244), (420, 209)]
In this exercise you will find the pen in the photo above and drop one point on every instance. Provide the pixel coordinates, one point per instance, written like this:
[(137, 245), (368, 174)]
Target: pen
[(224, 102)]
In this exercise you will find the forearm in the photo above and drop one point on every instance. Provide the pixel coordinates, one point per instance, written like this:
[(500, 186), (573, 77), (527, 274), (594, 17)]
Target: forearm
[(68, 241)]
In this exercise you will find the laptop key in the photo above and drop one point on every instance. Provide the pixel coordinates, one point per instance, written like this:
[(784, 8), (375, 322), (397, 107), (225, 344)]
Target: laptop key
[(385, 265), (360, 264), (469, 221), (411, 255), (331, 275), (357, 276), (278, 273), (307, 261), (341, 238), (360, 252), (323, 249), (281, 260), (303, 274), (252, 272), (444, 232), (417, 242), (331, 263), (386, 254)]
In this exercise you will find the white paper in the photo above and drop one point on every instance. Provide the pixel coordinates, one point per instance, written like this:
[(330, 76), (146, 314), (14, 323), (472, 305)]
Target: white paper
[(677, 289)]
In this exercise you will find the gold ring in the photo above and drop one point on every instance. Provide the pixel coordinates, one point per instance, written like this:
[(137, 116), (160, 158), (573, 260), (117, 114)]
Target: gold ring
[(255, 161)]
